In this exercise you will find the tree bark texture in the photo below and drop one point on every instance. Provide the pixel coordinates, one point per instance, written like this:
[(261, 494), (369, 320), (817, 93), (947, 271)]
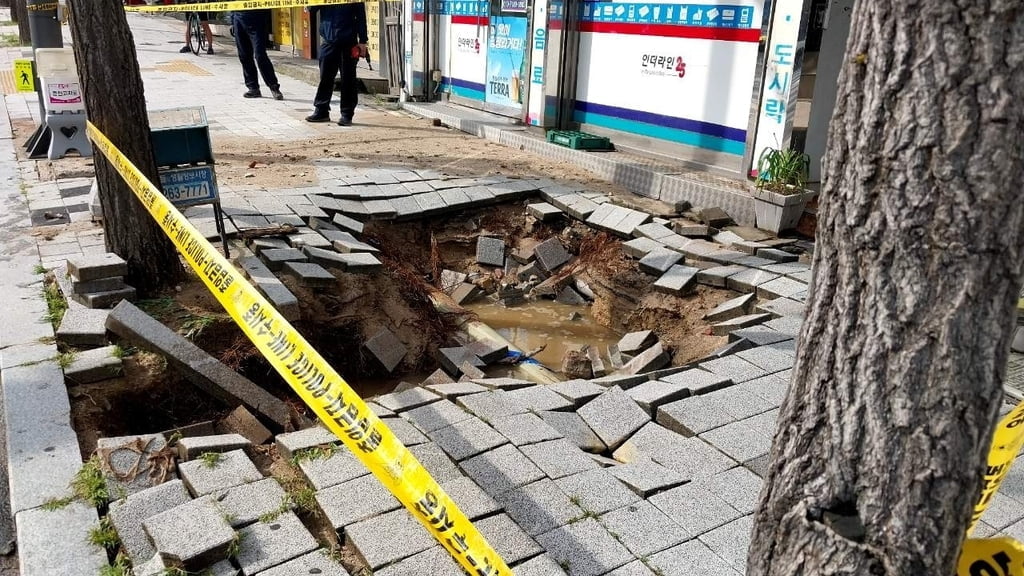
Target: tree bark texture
[(882, 439), (19, 13), (115, 102)]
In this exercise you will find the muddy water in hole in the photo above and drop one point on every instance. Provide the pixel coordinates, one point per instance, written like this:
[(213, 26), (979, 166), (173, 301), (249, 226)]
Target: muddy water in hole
[(537, 323)]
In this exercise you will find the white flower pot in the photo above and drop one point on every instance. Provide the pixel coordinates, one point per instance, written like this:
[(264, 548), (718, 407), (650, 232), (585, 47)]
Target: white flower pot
[(776, 212)]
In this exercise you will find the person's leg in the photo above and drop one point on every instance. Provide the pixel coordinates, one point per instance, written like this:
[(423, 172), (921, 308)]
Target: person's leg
[(209, 35), (258, 37), (330, 60), (349, 90), (185, 49), (244, 48)]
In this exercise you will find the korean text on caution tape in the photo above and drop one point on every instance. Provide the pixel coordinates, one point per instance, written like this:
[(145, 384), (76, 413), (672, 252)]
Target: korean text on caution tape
[(1006, 444), (991, 557), (236, 5), (315, 381)]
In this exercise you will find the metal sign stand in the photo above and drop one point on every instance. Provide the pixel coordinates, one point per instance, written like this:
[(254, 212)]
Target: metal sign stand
[(44, 26)]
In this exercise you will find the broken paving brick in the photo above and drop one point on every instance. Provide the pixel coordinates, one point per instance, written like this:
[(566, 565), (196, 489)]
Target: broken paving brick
[(551, 254), (387, 349), (240, 421), (490, 251)]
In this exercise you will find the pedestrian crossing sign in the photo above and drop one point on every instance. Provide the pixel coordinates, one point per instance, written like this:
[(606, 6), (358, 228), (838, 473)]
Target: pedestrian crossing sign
[(23, 75)]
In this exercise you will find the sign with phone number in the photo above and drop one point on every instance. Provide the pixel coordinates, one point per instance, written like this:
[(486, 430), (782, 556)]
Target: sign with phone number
[(189, 186)]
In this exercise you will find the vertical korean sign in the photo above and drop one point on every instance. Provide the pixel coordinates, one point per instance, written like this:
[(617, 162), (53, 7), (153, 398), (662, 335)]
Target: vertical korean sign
[(775, 114), (506, 54)]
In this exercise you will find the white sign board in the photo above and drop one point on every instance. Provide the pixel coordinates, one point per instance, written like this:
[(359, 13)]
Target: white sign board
[(775, 113)]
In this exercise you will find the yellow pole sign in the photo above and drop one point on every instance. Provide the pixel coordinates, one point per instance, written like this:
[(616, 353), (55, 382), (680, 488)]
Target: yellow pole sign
[(314, 380), (23, 75)]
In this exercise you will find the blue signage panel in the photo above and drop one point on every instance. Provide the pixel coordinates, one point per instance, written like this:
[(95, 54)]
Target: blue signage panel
[(189, 186)]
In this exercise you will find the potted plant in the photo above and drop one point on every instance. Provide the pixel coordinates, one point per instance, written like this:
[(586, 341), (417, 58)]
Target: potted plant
[(779, 194)]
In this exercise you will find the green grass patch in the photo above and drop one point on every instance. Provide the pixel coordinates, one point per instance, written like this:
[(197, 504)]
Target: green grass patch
[(90, 485), (9, 40), (56, 305), (104, 535), (210, 459)]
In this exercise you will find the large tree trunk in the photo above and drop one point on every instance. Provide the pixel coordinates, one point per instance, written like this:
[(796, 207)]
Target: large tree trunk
[(882, 439), (20, 15), (109, 72)]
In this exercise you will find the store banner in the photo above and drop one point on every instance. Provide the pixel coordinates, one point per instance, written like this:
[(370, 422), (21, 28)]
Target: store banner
[(506, 59)]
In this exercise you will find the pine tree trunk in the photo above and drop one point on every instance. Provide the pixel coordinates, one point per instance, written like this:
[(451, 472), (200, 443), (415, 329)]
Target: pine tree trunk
[(882, 439), (114, 99)]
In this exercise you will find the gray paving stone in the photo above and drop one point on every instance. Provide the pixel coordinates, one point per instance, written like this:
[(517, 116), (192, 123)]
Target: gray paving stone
[(695, 508), (310, 275), (748, 280), (738, 486), (105, 299), (436, 415), (502, 469), (578, 392), (730, 309), (538, 398), (361, 263), (586, 547), (101, 285), (649, 360), (435, 561), (128, 457), (245, 504), (739, 441), (407, 399), (406, 537), (693, 415), (523, 429), (510, 541), (190, 536), (650, 395), (639, 247), (559, 458), (348, 244), (488, 351), (737, 323), (93, 365), (691, 457), (768, 359), (504, 384), (643, 528), (596, 491), (782, 307), (760, 335), (735, 368), (659, 260), (88, 267), (777, 255), (128, 514), (543, 211), (688, 559), (316, 562), (636, 342), (787, 325), (342, 508), (231, 469), (267, 544), (454, 390), (291, 442), (739, 402), (349, 224), (759, 465), (387, 349), (718, 276), (83, 327), (652, 230), (204, 371), (725, 256), (613, 416), (540, 507), (452, 358), (490, 251), (340, 466), (310, 239), (275, 258), (56, 542), (731, 542), (677, 280), (542, 565), (637, 568), (575, 429), (467, 438), (780, 288), (698, 381), (646, 477), (406, 433), (551, 254), (437, 463), (491, 405), (191, 447), (472, 500), (767, 422)]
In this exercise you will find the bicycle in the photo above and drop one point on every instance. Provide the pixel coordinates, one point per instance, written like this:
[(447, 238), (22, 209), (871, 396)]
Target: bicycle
[(196, 35)]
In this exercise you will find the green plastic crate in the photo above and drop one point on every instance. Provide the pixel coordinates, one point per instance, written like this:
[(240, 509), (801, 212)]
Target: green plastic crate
[(579, 140)]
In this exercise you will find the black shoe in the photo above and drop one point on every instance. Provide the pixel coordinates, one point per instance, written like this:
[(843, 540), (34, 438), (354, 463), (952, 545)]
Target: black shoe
[(345, 121), (209, 50), (252, 94), (184, 50), (318, 117), (276, 93)]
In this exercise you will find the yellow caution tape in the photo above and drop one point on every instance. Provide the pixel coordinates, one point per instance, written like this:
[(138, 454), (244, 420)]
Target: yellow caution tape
[(235, 5), (991, 557), (315, 381), (1006, 444)]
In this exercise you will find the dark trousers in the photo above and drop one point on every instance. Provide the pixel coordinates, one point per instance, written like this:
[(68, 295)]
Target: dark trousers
[(251, 43), (335, 56)]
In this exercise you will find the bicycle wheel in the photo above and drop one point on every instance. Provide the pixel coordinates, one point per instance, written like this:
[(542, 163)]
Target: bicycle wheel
[(195, 34)]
